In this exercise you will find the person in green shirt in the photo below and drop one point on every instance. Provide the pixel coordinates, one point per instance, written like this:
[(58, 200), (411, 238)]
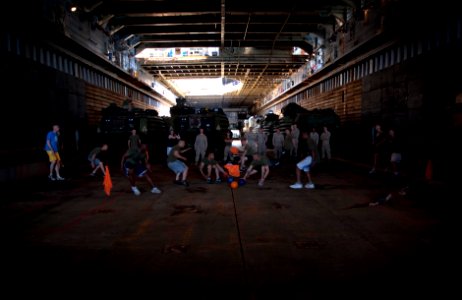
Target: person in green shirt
[(210, 163), (134, 140), (248, 149), (260, 162), (176, 163)]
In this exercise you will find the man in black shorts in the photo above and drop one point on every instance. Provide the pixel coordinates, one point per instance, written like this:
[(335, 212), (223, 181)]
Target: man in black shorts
[(135, 164)]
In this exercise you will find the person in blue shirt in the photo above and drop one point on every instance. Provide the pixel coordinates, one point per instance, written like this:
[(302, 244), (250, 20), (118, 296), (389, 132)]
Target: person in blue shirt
[(52, 149)]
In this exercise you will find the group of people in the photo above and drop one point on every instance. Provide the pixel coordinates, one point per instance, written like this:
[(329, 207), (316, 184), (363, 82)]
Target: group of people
[(386, 148), (287, 144), (135, 161)]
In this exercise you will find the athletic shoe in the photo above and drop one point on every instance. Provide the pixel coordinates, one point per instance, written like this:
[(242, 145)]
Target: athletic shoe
[(59, 178), (296, 185), (50, 177), (155, 190), (309, 186), (185, 183), (260, 182), (218, 180), (209, 180), (136, 191)]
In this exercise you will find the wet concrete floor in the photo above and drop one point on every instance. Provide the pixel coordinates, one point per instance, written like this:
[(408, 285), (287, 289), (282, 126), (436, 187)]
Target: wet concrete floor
[(208, 241)]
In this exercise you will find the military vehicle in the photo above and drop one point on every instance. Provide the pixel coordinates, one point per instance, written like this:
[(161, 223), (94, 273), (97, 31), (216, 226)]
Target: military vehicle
[(117, 123), (187, 121), (306, 119)]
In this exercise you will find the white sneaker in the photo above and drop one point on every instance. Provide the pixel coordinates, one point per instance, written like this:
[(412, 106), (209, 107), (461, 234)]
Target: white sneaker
[(136, 191), (59, 178), (309, 185), (296, 185), (155, 190), (50, 177)]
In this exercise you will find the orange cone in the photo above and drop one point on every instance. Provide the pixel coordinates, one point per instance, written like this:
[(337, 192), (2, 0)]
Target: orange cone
[(107, 183)]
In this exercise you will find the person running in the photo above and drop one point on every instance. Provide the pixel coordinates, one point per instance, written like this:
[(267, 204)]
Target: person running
[(227, 155), (52, 149), (200, 145), (95, 159), (210, 163), (307, 150), (136, 165)]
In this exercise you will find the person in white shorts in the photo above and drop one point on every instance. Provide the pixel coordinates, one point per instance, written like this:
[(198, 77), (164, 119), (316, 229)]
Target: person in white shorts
[(307, 149)]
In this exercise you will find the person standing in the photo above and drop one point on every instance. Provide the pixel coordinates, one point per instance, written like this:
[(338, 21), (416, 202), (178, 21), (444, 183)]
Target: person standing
[(288, 144), (314, 136), (262, 138), (394, 151), (200, 145), (173, 139), (251, 136), (227, 155), (378, 147), (295, 133), (325, 143), (52, 149), (278, 144), (134, 140)]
